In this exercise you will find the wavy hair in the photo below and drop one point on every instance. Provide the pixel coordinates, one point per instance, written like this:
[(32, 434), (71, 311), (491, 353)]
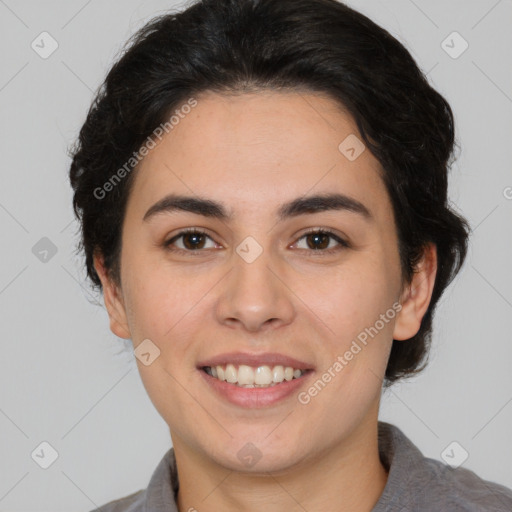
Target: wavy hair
[(240, 46)]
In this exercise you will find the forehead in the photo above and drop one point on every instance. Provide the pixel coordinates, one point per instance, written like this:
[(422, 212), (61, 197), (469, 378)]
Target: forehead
[(252, 150)]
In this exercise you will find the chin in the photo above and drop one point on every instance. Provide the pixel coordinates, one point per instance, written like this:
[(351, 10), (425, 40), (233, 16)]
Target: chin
[(257, 458)]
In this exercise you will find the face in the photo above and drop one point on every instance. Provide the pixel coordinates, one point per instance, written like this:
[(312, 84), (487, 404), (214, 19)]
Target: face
[(261, 287)]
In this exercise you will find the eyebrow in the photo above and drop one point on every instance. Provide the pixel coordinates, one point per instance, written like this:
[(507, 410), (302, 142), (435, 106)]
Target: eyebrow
[(294, 208)]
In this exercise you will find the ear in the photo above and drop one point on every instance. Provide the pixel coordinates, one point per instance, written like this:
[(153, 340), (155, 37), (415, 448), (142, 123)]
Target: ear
[(113, 300), (415, 298)]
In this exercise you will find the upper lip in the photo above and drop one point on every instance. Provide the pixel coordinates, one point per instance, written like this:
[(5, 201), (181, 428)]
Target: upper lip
[(255, 360)]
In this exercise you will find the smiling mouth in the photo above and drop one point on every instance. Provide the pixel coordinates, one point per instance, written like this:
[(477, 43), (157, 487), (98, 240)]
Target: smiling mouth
[(254, 377)]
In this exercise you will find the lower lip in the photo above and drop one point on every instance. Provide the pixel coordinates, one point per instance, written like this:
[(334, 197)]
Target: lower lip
[(255, 397)]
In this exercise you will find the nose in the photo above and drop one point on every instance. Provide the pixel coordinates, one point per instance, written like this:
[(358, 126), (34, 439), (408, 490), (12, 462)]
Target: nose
[(255, 296)]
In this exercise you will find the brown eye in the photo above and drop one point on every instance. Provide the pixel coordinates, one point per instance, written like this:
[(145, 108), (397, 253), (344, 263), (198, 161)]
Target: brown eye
[(320, 240), (192, 240)]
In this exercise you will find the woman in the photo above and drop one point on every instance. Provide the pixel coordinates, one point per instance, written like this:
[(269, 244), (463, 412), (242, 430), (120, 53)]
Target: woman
[(262, 190)]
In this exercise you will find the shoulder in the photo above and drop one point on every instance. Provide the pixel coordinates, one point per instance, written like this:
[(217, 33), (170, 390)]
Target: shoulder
[(159, 494), (132, 503), (419, 483), (461, 489)]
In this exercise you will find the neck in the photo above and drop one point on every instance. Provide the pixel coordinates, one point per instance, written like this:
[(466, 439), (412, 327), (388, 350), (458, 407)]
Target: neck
[(344, 478)]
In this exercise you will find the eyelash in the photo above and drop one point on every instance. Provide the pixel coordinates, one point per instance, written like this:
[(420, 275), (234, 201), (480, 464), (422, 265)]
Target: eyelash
[(318, 252)]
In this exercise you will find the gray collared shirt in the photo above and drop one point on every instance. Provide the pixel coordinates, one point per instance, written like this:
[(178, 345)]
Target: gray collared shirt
[(415, 483)]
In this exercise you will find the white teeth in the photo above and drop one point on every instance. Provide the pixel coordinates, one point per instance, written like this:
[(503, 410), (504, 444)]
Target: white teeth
[(249, 377), (263, 375), (230, 374), (245, 375), (278, 374)]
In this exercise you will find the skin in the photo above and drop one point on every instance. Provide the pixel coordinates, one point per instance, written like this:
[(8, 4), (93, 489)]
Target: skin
[(253, 152)]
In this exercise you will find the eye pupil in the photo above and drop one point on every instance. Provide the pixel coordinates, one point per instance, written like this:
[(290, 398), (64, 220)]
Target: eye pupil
[(319, 236), (194, 236)]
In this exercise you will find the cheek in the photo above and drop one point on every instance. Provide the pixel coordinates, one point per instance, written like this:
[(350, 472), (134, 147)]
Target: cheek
[(356, 306), (349, 299), (161, 298)]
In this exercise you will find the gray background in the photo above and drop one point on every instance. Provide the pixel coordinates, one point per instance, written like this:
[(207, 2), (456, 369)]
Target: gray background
[(67, 380)]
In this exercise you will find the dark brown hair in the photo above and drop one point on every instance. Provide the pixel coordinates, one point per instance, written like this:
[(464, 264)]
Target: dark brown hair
[(237, 46)]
